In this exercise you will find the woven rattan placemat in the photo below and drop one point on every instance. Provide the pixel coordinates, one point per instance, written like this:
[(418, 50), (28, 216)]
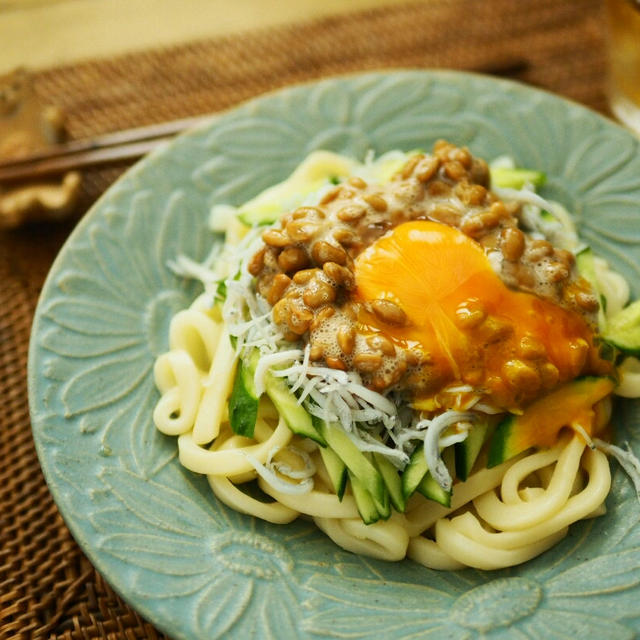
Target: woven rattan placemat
[(47, 587)]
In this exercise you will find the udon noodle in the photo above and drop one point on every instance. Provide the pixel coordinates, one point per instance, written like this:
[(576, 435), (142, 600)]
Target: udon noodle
[(497, 517)]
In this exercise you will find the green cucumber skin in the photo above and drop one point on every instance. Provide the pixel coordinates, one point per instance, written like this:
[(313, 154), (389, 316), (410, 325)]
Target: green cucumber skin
[(467, 451), (622, 342), (243, 403), (383, 506), (462, 460), (252, 219), (516, 178), (414, 472), (430, 489), (364, 501), (356, 462), (586, 268), (501, 448), (392, 480), (416, 477), (498, 449), (619, 345), (336, 469), (294, 415)]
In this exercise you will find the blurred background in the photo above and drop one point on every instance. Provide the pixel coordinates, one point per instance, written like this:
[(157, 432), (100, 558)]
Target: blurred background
[(90, 67), (45, 33), (94, 67)]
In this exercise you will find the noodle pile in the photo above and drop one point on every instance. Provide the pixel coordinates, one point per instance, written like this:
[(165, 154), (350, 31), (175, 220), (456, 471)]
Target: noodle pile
[(498, 517)]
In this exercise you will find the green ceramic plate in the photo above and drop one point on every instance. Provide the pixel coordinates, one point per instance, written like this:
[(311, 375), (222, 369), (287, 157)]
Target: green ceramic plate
[(194, 567)]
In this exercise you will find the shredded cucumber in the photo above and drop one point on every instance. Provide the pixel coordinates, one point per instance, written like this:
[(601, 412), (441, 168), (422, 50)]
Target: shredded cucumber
[(516, 178), (623, 330)]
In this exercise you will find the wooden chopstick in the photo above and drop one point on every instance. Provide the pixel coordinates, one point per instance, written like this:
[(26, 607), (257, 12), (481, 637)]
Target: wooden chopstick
[(69, 161), (130, 144), (127, 144)]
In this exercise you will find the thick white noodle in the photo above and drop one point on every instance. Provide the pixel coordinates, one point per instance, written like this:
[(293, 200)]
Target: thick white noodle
[(498, 517), (216, 390), (319, 504), (227, 463), (422, 514), (383, 540), (520, 514), (197, 334), (430, 554), (181, 385), (465, 539), (227, 492), (473, 553)]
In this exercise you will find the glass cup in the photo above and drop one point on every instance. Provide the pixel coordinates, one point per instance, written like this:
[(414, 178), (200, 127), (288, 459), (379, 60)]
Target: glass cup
[(624, 61)]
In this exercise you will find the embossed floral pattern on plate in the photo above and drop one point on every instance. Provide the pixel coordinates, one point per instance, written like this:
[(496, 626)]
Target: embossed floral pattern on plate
[(191, 565)]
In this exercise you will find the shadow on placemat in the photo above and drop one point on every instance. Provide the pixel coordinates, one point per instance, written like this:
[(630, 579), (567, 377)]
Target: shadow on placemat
[(47, 587)]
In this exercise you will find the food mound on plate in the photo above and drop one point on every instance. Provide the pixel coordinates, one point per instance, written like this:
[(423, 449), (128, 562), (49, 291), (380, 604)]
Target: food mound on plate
[(412, 351)]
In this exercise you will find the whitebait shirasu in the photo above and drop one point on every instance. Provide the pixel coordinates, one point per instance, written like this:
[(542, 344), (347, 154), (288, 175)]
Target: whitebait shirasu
[(579, 429), (523, 196), (434, 429), (455, 438), (266, 362), (273, 480), (340, 397), (483, 407), (627, 460), (187, 268), (366, 442), (306, 359), (338, 392), (559, 230), (220, 263), (284, 469), (461, 388)]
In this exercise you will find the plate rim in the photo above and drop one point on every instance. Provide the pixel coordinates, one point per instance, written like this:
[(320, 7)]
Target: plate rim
[(37, 416)]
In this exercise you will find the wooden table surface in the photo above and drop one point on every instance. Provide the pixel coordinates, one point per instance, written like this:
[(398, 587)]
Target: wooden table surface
[(47, 33)]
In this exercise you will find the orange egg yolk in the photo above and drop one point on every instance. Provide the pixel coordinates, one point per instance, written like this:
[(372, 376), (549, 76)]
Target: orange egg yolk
[(471, 326)]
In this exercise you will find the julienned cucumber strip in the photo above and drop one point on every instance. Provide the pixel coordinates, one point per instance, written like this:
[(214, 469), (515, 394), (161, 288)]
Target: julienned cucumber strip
[(416, 477), (243, 402), (587, 269), (294, 414), (383, 506), (357, 463), (623, 330), (336, 469), (392, 480), (430, 489), (414, 472), (516, 178), (364, 501), (467, 451)]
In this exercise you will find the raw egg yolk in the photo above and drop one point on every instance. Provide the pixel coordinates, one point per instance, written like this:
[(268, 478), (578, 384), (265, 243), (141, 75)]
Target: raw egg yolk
[(469, 324)]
